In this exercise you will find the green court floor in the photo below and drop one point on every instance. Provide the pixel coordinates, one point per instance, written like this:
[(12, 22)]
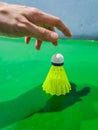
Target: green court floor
[(23, 69)]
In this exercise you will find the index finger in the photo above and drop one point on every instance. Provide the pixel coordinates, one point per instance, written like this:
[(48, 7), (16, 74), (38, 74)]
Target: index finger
[(58, 23), (62, 27)]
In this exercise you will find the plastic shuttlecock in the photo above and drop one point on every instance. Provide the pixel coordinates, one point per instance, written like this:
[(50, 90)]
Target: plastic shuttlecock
[(56, 82)]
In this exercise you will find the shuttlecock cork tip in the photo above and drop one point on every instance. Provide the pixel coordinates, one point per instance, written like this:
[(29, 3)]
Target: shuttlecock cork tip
[(57, 59)]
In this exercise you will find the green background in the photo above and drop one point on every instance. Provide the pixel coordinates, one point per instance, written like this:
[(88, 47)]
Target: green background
[(23, 69)]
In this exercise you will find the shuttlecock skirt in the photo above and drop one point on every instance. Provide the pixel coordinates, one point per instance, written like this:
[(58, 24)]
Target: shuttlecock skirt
[(56, 82)]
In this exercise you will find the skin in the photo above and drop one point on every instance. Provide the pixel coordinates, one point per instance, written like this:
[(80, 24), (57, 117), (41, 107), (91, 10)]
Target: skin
[(28, 22)]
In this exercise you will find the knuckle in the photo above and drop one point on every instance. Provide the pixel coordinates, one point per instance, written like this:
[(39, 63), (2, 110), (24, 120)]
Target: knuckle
[(21, 25), (21, 29), (45, 34), (58, 21), (35, 10)]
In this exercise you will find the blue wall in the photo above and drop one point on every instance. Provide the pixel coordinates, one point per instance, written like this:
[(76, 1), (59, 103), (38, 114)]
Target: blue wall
[(80, 15)]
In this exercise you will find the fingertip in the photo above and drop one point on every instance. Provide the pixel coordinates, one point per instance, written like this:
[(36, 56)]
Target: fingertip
[(27, 40), (70, 34), (37, 47), (55, 43), (38, 44)]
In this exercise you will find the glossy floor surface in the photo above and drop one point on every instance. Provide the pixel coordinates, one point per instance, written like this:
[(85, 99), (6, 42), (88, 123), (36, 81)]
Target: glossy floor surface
[(23, 103)]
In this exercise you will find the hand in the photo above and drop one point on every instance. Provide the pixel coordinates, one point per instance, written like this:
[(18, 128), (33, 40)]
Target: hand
[(23, 21)]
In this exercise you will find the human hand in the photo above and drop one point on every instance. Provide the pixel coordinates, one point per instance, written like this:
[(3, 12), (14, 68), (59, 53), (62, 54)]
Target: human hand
[(23, 21)]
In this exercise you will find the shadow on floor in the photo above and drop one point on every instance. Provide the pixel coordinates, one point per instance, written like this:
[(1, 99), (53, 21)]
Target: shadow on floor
[(37, 101), (18, 108), (58, 103)]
